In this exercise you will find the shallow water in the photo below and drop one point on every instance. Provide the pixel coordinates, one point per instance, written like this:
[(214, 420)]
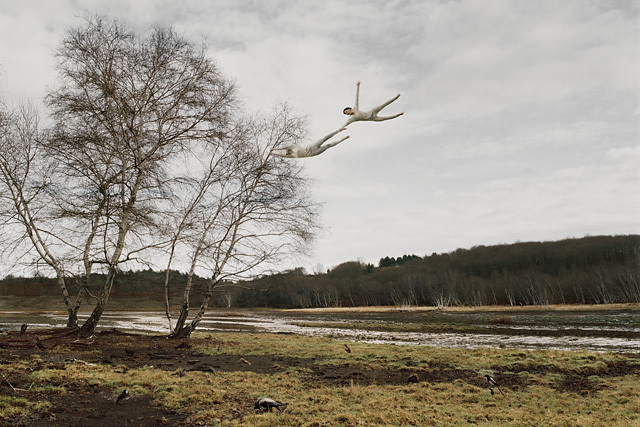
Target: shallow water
[(601, 330)]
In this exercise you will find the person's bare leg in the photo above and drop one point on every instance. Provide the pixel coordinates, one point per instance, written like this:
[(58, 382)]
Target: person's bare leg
[(380, 107), (319, 142), (382, 119), (329, 145)]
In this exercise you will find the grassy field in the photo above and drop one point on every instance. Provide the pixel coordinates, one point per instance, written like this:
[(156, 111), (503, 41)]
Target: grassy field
[(322, 383), (455, 308), (54, 303)]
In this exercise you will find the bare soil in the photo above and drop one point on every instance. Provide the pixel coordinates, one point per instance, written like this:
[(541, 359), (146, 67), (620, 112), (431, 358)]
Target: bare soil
[(87, 406)]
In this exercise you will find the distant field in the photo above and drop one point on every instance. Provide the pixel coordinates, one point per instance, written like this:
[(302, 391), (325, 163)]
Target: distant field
[(559, 307), (55, 304)]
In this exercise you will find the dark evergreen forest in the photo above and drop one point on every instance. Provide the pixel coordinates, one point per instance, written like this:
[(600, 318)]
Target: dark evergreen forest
[(594, 270)]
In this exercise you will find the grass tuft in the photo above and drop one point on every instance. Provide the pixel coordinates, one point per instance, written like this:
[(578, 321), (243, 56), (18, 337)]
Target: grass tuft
[(502, 320)]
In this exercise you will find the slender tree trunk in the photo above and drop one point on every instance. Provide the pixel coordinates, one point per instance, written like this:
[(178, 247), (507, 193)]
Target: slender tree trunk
[(185, 331), (184, 310), (72, 310), (90, 325), (166, 288)]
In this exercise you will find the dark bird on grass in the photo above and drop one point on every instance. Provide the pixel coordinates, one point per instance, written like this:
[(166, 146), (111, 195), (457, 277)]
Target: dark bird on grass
[(493, 383), (122, 395), (39, 344), (264, 403), (347, 349), (413, 379), (105, 360), (181, 373)]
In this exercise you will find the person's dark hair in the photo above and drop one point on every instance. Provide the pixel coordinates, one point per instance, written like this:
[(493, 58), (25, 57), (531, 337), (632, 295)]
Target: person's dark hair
[(345, 110)]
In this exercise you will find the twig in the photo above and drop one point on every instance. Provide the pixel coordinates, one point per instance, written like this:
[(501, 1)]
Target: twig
[(83, 362), (6, 380)]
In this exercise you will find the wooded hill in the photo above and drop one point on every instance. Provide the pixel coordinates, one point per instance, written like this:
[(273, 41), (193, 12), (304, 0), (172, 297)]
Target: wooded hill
[(598, 269)]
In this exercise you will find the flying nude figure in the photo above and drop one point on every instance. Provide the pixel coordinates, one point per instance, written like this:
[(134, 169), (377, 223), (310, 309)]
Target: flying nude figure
[(310, 150), (355, 115)]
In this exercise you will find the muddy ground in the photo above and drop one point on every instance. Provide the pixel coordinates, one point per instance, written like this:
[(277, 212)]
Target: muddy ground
[(88, 406)]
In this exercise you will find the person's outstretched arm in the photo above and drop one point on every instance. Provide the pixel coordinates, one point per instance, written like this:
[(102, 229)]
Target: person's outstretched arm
[(283, 148), (281, 155), (357, 106)]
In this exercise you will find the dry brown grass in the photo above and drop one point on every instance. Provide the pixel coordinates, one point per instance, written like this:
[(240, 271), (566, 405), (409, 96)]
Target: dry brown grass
[(552, 307), (502, 320), (550, 388)]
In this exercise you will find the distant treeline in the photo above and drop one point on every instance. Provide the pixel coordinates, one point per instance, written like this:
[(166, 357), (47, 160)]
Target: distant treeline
[(604, 269), (146, 283), (600, 269)]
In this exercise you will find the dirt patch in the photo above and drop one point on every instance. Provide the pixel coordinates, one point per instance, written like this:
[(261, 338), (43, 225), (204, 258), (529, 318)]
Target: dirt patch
[(93, 406), (85, 405)]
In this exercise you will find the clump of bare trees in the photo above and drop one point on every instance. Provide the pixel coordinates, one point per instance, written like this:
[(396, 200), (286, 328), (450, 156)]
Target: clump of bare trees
[(149, 161), (593, 269)]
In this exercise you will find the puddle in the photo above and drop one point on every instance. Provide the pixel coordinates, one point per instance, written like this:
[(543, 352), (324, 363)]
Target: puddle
[(593, 331)]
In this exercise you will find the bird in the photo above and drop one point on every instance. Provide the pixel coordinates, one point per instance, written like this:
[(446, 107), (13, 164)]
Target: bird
[(122, 395), (413, 379), (492, 383), (245, 361), (39, 344), (264, 403), (347, 349)]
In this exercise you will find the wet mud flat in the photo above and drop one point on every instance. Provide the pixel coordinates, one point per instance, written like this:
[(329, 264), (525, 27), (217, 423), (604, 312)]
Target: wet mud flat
[(574, 329), (591, 328)]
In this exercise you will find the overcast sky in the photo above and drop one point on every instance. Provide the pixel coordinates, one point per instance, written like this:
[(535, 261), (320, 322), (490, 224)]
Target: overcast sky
[(522, 119)]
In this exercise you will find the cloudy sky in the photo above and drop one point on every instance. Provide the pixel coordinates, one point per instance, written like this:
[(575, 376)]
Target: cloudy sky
[(522, 119)]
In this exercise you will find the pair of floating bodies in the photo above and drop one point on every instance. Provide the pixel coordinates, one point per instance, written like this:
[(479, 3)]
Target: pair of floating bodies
[(355, 115)]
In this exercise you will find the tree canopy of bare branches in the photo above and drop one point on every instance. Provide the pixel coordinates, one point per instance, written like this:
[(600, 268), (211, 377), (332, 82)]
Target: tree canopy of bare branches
[(246, 208), (149, 158)]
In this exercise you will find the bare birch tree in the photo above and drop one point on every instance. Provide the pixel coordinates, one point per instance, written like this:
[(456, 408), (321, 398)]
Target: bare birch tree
[(27, 214), (250, 210), (148, 156), (126, 107)]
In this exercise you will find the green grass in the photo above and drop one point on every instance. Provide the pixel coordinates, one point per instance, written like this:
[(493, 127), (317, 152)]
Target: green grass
[(393, 327), (12, 407)]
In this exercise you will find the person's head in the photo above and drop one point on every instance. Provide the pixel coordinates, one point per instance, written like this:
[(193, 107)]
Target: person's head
[(349, 111)]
